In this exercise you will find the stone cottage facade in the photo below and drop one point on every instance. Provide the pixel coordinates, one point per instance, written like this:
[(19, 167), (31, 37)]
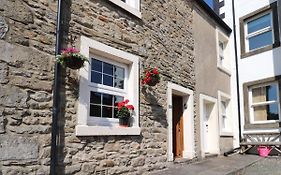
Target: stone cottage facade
[(129, 36)]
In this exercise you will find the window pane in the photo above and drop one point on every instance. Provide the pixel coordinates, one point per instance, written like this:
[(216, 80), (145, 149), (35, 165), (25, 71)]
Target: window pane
[(266, 112), (108, 69), (108, 80), (119, 72), (266, 93), (96, 77), (96, 65), (95, 110), (261, 40), (115, 113), (259, 23), (107, 99), (118, 83), (223, 107), (107, 112), (118, 99), (95, 98)]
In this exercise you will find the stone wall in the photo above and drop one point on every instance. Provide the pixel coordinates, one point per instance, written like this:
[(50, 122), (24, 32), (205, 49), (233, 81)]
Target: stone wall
[(162, 38)]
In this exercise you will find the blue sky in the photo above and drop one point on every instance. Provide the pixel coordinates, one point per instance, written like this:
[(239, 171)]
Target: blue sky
[(209, 2)]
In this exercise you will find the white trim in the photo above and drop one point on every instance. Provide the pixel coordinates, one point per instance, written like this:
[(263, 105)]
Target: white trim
[(188, 118), (84, 130), (215, 149), (132, 6), (264, 130), (229, 131), (88, 47)]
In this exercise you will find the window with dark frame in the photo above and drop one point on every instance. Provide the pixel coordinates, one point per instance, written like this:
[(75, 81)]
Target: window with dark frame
[(259, 31)]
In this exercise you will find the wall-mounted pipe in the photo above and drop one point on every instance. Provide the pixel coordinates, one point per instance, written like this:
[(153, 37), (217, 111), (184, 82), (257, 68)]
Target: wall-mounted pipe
[(56, 94), (237, 72)]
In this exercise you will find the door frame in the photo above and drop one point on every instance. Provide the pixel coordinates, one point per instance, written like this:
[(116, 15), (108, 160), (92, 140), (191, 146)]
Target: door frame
[(215, 124), (188, 120)]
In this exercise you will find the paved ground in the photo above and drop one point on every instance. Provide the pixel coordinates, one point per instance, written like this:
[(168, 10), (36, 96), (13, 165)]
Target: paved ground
[(217, 166), (266, 166)]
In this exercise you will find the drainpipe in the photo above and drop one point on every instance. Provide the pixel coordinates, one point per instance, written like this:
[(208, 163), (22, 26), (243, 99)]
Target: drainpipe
[(56, 94), (237, 75)]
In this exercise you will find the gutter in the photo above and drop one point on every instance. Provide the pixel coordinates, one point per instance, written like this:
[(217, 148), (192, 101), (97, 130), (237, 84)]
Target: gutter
[(56, 94)]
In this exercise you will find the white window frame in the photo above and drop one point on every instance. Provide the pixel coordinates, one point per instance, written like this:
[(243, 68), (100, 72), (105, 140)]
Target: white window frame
[(132, 6), (94, 87), (251, 105), (92, 126), (261, 31), (224, 66), (228, 131)]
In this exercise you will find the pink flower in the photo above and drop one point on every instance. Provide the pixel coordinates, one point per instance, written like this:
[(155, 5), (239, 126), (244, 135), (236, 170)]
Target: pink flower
[(155, 71), (131, 107)]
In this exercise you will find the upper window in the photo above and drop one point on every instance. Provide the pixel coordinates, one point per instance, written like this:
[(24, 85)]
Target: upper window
[(259, 31), (103, 83), (132, 6), (223, 60), (225, 114), (264, 103)]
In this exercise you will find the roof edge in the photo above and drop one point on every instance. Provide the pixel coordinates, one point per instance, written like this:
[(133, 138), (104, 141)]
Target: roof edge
[(213, 15)]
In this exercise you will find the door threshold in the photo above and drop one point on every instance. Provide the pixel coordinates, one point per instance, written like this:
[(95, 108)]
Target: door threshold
[(181, 160)]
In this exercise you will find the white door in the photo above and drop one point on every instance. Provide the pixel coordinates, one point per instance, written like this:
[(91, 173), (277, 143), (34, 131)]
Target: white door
[(206, 127)]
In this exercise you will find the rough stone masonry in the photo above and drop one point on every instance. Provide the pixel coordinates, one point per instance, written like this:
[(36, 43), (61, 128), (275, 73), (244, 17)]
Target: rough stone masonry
[(162, 38)]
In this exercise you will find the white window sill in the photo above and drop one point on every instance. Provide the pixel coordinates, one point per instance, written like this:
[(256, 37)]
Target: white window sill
[(85, 130), (265, 122), (126, 7), (224, 69)]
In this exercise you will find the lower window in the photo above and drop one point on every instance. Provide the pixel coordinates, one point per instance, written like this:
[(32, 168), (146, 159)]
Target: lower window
[(264, 103)]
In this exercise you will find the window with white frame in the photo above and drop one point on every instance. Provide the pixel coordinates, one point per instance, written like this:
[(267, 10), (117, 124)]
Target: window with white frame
[(223, 61), (132, 6), (103, 83), (108, 83), (259, 31), (264, 103), (225, 114)]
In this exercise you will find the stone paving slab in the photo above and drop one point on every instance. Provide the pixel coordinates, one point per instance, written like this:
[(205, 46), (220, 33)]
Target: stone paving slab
[(215, 166), (266, 166)]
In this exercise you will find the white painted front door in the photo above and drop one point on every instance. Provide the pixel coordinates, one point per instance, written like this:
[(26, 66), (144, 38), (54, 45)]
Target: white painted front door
[(206, 127)]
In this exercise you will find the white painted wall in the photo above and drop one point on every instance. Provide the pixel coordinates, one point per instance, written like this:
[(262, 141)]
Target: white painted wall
[(256, 67), (227, 9)]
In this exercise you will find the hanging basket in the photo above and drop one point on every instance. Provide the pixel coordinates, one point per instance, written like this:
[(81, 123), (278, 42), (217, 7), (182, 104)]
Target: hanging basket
[(74, 62), (124, 121), (153, 81)]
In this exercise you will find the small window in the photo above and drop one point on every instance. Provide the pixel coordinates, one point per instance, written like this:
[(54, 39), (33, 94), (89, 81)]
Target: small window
[(225, 114), (223, 53), (259, 31), (264, 103)]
